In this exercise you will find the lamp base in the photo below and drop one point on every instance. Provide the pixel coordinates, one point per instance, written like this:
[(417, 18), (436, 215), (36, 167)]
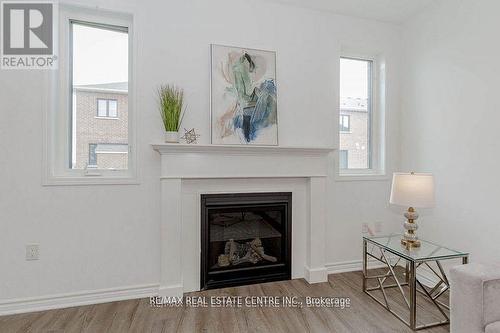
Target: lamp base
[(410, 243), (410, 238)]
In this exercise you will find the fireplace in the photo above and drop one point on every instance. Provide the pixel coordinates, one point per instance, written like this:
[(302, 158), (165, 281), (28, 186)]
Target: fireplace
[(245, 238)]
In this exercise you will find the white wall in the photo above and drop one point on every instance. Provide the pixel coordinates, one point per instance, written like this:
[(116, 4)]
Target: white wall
[(95, 237), (450, 121)]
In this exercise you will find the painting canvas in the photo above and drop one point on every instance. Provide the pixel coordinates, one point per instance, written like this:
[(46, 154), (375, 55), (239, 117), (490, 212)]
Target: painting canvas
[(243, 100)]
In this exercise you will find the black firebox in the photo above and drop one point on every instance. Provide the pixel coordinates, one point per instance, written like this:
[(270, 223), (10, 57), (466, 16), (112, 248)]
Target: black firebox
[(245, 238)]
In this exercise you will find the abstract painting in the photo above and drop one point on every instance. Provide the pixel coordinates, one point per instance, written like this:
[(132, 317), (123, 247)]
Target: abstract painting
[(243, 96)]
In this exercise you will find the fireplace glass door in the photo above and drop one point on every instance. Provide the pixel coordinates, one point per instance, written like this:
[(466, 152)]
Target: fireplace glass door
[(245, 239)]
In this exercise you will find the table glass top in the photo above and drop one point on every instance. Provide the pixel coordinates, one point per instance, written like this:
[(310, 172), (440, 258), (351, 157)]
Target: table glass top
[(426, 251)]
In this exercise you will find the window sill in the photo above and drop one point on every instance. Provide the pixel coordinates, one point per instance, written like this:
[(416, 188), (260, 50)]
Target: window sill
[(353, 177), (89, 180), (107, 118)]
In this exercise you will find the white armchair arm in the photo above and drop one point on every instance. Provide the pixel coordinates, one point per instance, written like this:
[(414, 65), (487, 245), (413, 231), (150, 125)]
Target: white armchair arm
[(475, 298)]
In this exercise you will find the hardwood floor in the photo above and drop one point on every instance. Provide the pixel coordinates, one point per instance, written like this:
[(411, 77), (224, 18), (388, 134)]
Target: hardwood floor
[(363, 316)]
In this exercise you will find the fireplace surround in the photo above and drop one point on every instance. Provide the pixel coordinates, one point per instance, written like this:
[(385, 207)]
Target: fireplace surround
[(189, 171), (245, 238)]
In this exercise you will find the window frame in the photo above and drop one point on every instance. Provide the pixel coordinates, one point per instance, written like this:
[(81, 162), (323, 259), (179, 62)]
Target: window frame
[(107, 116), (376, 116), (94, 145), (58, 117), (347, 157), (342, 130)]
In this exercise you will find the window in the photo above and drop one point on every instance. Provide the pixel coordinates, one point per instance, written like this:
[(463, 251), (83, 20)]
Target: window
[(91, 84), (355, 147), (343, 158), (107, 108), (99, 67), (92, 155), (344, 123), (100, 155)]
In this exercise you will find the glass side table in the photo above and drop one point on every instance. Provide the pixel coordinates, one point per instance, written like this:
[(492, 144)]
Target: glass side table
[(389, 251)]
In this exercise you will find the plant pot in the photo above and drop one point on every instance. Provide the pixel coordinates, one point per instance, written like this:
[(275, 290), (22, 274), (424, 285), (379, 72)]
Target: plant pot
[(172, 136)]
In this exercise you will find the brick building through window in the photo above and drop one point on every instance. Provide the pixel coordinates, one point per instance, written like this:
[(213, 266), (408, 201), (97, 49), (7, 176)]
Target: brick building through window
[(100, 126), (353, 127)]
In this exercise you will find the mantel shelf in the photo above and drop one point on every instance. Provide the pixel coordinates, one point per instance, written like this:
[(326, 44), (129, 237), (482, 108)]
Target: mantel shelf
[(176, 148)]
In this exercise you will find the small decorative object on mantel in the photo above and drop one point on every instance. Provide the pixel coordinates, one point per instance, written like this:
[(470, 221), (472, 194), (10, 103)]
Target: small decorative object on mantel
[(171, 100), (413, 190), (190, 136)]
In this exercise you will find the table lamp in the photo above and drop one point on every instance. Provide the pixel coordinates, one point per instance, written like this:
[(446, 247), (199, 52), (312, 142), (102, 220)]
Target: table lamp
[(413, 190)]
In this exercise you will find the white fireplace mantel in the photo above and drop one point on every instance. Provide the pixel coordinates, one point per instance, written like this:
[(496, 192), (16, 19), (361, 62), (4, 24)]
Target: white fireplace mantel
[(165, 148), (200, 162), (222, 161)]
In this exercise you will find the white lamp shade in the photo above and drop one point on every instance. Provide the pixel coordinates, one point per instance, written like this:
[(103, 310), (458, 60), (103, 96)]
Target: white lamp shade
[(412, 190)]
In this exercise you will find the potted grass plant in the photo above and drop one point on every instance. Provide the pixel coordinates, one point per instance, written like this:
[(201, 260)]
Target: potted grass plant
[(171, 99)]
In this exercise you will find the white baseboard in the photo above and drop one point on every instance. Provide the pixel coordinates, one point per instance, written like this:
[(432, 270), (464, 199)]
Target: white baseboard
[(58, 301), (171, 291), (315, 275), (32, 304), (351, 266)]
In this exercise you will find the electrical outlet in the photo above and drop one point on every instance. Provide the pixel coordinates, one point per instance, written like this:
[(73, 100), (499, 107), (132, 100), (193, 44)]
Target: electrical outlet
[(365, 229), (32, 252), (378, 227)]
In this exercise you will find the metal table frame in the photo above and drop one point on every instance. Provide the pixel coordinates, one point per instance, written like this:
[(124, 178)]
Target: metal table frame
[(410, 280)]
